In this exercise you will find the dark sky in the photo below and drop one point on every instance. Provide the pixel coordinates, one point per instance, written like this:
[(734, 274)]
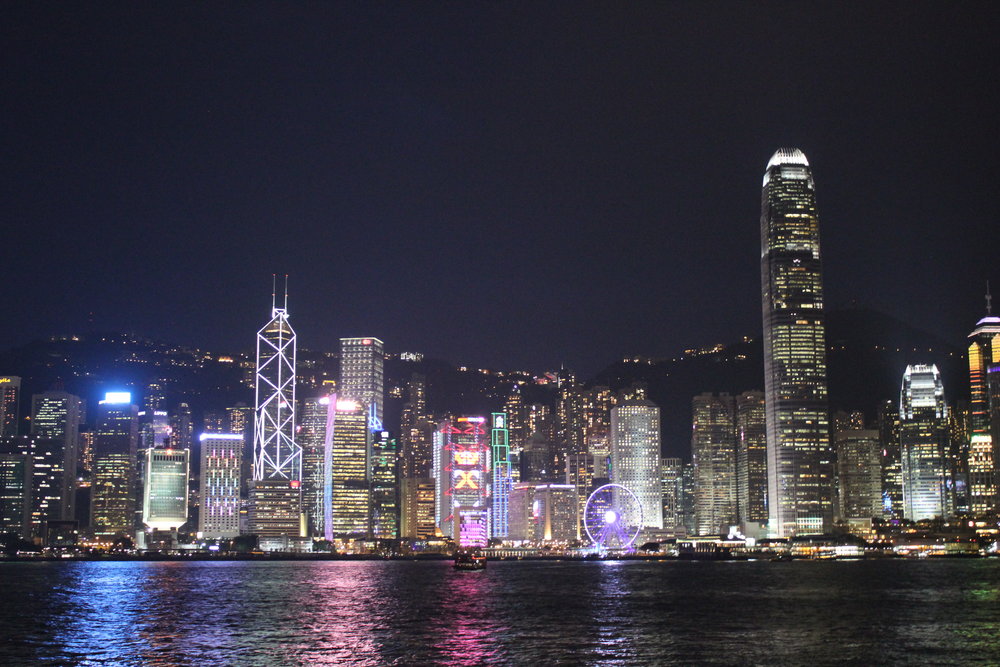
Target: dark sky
[(499, 184)]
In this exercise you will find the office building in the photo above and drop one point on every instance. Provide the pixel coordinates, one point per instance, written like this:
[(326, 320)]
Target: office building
[(277, 458), (923, 436), (350, 470), (165, 489), (635, 458), (361, 375), (311, 438), (461, 472), (418, 508), (672, 481), (859, 473), (115, 445), (891, 460), (15, 494), (713, 452), (58, 415), (751, 458), (981, 450), (10, 399), (501, 479), (544, 512), (799, 461), (385, 466), (221, 459)]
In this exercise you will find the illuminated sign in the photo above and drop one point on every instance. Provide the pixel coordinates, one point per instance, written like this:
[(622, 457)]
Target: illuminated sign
[(476, 420), (466, 458), (6, 380), (294, 484), (219, 436), (466, 480), (499, 421), (348, 406), (117, 397), (366, 341)]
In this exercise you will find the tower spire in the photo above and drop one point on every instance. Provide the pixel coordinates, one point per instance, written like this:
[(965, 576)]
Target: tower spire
[(286, 292), (989, 300), (274, 290)]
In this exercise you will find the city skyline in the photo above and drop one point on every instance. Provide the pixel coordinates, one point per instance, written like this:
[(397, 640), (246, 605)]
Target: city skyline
[(562, 175)]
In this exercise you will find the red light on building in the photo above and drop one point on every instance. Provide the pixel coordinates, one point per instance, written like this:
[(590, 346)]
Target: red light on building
[(366, 341), (294, 484)]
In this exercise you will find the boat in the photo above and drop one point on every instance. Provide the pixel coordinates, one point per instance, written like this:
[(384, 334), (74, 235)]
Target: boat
[(470, 559)]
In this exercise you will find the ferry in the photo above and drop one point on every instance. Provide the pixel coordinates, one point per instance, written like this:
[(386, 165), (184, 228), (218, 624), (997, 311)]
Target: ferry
[(470, 559)]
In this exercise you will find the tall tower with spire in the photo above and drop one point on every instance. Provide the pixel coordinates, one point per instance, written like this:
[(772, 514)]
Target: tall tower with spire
[(277, 465), (799, 459), (984, 413)]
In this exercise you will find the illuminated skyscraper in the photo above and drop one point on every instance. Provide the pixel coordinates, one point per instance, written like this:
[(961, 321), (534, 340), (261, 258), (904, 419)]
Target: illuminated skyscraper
[(312, 438), (350, 469), (461, 467), (10, 398), (672, 479), (15, 494), (385, 467), (635, 457), (57, 415), (418, 508), (751, 457), (47, 478), (164, 500), (923, 436), (799, 461), (221, 458), (277, 458), (116, 437), (501, 481), (982, 451), (891, 459), (713, 452), (361, 375), (859, 473)]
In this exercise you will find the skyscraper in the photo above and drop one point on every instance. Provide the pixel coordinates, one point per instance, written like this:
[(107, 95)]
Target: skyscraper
[(58, 415), (350, 469), (116, 437), (384, 474), (361, 375), (312, 439), (277, 458), (635, 458), (221, 458), (751, 457), (164, 500), (923, 437), (501, 481), (10, 398), (859, 473), (799, 462), (713, 452), (15, 494), (892, 462), (461, 468), (983, 455), (672, 479)]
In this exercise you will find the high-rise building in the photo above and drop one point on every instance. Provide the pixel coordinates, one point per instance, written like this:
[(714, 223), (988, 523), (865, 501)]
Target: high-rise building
[(751, 458), (361, 375), (923, 436), (165, 491), (580, 474), (461, 470), (10, 398), (635, 458), (713, 452), (277, 457), (350, 469), (48, 477), (501, 481), (418, 508), (113, 490), (982, 451), (859, 473), (221, 458), (312, 439), (672, 480), (385, 467), (891, 459), (15, 494), (416, 430), (57, 415), (799, 461)]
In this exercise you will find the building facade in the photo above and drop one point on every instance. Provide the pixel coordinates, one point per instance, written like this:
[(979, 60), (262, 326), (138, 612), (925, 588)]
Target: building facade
[(799, 461), (362, 376), (221, 463), (923, 437), (635, 458), (751, 458), (713, 452)]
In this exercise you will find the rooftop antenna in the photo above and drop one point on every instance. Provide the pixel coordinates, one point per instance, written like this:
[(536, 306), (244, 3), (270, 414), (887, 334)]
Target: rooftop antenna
[(989, 300), (286, 292), (274, 289)]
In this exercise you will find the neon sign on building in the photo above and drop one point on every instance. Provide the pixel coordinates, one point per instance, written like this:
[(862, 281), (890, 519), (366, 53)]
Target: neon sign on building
[(464, 476)]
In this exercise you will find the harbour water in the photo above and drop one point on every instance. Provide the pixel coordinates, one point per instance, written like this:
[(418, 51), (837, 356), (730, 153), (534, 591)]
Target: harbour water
[(521, 613)]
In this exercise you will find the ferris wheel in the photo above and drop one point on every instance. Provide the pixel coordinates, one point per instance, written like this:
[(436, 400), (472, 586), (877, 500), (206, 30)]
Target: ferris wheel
[(612, 517)]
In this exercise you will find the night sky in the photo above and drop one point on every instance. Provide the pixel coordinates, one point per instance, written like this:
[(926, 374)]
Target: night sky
[(508, 185)]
